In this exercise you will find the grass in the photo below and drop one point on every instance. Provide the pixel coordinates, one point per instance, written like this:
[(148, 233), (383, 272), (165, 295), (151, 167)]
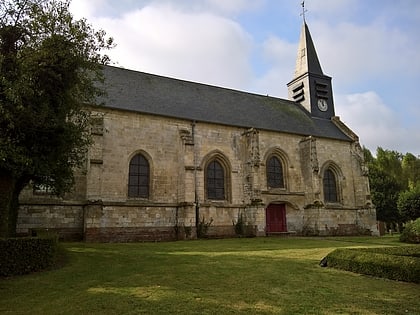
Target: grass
[(231, 276)]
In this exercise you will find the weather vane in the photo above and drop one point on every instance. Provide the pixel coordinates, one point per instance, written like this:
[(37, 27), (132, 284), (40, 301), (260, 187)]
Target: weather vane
[(303, 10)]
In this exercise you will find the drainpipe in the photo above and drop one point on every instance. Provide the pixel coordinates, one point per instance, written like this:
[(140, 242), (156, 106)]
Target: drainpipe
[(84, 220), (196, 200)]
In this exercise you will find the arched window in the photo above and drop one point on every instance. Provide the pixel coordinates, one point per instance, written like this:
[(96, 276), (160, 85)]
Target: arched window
[(330, 186), (274, 173), (138, 177), (215, 180)]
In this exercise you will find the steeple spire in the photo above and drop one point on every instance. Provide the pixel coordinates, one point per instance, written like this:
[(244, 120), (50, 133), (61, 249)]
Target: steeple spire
[(310, 87), (307, 59)]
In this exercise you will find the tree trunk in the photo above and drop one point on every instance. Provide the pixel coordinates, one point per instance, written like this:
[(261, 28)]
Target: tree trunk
[(14, 206), (7, 189), (10, 189)]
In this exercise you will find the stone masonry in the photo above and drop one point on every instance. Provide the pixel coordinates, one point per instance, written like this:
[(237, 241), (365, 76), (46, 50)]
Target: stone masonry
[(178, 151)]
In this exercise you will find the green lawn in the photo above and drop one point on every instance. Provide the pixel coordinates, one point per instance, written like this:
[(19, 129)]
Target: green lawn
[(230, 276)]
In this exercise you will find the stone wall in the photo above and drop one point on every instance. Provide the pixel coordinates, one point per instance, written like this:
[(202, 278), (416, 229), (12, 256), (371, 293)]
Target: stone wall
[(63, 218), (178, 151)]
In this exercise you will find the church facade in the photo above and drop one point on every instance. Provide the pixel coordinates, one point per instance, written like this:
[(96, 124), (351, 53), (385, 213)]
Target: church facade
[(173, 159)]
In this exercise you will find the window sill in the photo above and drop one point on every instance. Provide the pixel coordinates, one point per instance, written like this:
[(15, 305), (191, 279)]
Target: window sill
[(209, 202), (137, 199), (279, 190), (333, 205)]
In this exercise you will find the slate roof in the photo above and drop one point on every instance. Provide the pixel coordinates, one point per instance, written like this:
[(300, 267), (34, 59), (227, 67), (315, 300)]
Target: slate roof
[(158, 95)]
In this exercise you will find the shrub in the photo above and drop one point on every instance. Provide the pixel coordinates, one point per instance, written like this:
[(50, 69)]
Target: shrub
[(24, 255), (409, 203), (239, 226), (203, 228), (243, 229), (411, 232), (396, 263)]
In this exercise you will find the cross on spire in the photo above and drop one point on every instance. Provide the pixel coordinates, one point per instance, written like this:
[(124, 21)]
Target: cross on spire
[(303, 10)]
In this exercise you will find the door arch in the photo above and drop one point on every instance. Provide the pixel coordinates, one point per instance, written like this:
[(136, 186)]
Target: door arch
[(275, 215)]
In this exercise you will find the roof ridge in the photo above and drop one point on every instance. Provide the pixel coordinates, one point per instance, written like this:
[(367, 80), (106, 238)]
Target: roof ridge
[(198, 83)]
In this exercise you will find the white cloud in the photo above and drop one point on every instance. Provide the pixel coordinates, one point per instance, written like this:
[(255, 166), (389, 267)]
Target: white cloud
[(88, 9), (234, 6), (280, 56), (376, 124), (197, 46), (112, 8), (374, 50)]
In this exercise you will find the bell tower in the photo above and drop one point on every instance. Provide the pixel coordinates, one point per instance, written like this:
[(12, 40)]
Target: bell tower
[(310, 87)]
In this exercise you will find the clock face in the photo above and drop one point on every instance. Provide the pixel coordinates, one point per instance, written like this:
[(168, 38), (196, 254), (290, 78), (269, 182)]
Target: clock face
[(322, 104)]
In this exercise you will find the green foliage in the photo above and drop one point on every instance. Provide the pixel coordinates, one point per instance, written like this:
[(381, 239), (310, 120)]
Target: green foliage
[(396, 263), (411, 170), (391, 174), (49, 66), (384, 191), (409, 204), (187, 231), (391, 162), (411, 232), (203, 228), (24, 255), (368, 157), (242, 228), (182, 231), (239, 226)]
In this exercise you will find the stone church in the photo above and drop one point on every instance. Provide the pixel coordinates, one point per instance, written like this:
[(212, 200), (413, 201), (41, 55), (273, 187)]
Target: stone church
[(173, 159)]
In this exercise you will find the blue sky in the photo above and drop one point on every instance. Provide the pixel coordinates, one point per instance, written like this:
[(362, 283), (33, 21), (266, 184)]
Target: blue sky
[(370, 48)]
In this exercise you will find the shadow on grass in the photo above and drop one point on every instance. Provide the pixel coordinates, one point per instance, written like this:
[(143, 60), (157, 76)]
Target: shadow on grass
[(248, 276)]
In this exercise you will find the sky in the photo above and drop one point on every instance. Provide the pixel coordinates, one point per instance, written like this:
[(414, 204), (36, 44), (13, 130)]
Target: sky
[(370, 48)]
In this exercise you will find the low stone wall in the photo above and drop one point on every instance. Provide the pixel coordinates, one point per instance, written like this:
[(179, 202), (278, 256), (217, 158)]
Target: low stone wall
[(65, 219), (129, 234), (132, 222), (114, 222), (332, 222)]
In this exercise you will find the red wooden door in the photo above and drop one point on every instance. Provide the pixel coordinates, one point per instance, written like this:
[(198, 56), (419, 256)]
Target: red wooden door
[(276, 218)]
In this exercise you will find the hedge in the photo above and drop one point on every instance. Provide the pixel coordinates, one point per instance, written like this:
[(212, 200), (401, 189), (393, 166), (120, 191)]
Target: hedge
[(411, 232), (396, 263), (24, 255)]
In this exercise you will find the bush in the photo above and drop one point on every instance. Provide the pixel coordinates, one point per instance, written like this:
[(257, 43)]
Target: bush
[(239, 226), (24, 255), (203, 228), (396, 263), (243, 229), (409, 203), (411, 232)]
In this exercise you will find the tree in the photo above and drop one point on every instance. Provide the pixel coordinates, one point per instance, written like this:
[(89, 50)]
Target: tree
[(411, 170), (49, 66), (395, 185), (409, 200), (391, 162), (409, 204), (384, 185), (384, 190)]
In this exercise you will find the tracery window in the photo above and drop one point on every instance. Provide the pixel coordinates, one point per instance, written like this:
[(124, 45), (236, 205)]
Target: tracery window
[(330, 186), (274, 173), (215, 180), (138, 177)]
